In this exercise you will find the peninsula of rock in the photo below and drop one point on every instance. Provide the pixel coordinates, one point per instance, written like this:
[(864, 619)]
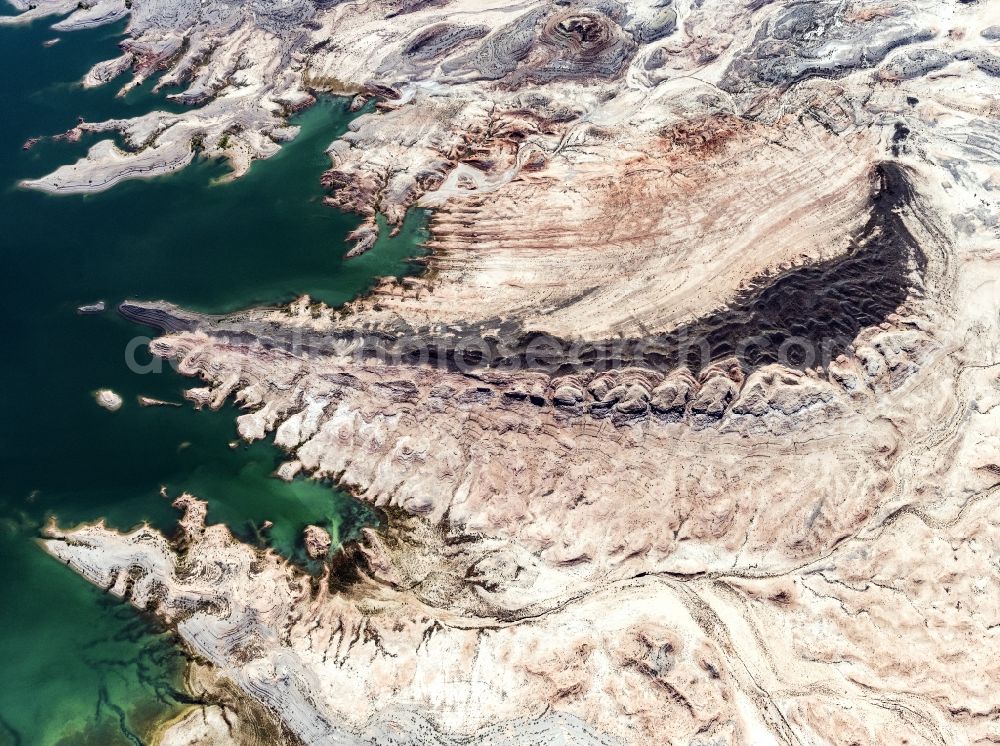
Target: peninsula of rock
[(687, 434)]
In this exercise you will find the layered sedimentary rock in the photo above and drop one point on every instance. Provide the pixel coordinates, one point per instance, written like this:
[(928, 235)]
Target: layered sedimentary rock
[(687, 434), (224, 715)]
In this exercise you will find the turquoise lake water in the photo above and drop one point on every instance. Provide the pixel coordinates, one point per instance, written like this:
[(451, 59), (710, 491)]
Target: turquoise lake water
[(82, 667)]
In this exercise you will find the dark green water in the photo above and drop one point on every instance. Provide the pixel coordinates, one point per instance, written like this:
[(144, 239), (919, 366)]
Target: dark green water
[(80, 667)]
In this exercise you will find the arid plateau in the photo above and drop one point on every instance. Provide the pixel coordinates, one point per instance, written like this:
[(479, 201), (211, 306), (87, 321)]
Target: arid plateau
[(685, 433)]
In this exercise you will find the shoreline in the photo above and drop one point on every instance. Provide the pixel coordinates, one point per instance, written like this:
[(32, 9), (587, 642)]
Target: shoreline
[(75, 259), (226, 714), (607, 540)]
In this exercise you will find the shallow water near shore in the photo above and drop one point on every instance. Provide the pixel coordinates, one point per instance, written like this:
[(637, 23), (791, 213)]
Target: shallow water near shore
[(80, 666)]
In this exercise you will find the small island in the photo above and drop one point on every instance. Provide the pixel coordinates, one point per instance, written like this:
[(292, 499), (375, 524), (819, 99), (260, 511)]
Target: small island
[(108, 399)]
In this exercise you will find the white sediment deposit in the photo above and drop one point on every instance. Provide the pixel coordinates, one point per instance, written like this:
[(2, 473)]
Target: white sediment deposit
[(108, 399), (687, 435), (149, 401), (92, 308)]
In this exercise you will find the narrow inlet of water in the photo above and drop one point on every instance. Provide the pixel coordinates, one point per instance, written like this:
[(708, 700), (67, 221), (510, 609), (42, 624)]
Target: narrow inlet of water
[(81, 667)]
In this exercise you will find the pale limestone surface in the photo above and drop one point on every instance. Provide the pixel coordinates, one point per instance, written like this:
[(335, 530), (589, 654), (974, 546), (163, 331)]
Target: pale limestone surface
[(108, 399)]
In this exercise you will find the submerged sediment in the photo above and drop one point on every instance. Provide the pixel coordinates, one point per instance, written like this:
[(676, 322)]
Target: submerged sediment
[(686, 434)]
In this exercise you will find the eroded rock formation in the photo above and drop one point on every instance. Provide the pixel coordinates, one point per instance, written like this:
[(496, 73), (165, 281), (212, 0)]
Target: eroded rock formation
[(686, 435)]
